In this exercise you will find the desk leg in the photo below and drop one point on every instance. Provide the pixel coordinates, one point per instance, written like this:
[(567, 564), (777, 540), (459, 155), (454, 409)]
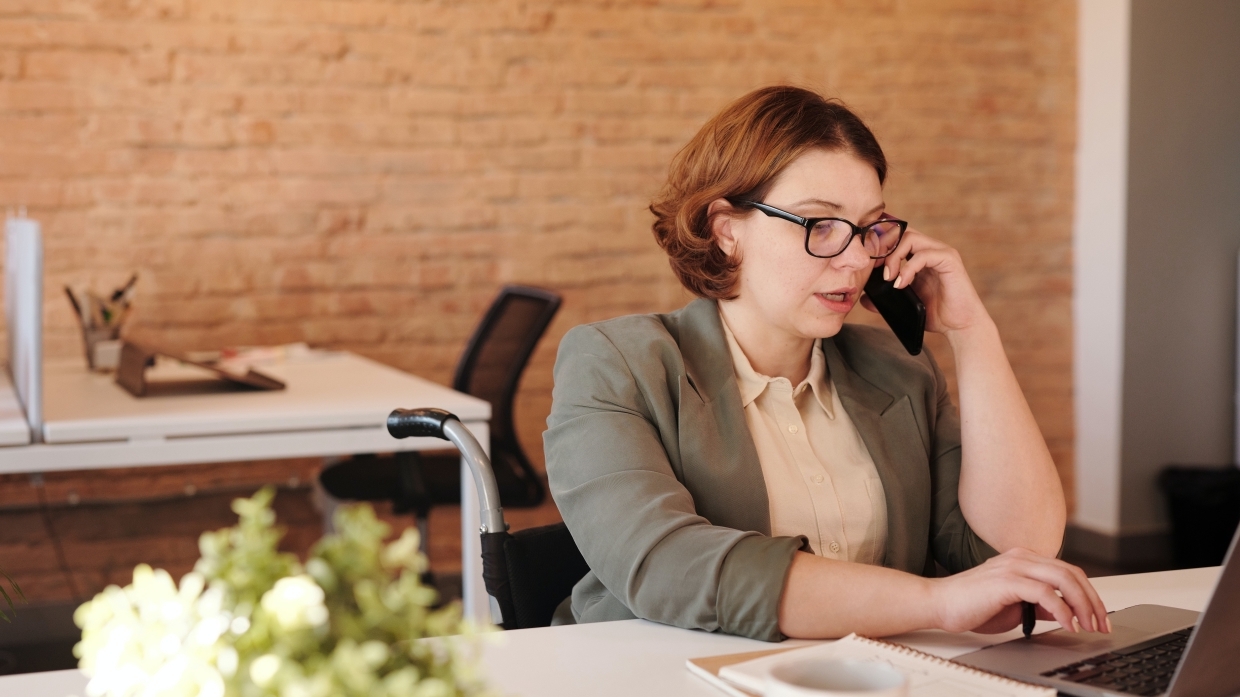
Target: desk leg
[(473, 593)]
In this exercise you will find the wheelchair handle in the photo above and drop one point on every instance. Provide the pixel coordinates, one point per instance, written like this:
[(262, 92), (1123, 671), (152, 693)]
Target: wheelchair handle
[(417, 423), (437, 423)]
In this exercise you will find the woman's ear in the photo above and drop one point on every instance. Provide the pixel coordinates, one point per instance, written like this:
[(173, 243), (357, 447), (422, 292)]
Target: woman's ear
[(721, 219)]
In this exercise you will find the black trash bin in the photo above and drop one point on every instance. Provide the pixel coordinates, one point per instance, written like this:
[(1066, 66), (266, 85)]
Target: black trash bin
[(1204, 503)]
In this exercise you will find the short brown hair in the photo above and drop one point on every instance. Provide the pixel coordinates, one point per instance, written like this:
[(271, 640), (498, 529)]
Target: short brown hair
[(737, 156)]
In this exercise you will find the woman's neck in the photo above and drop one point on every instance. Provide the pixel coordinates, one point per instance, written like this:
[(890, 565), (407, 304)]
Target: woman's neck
[(771, 351)]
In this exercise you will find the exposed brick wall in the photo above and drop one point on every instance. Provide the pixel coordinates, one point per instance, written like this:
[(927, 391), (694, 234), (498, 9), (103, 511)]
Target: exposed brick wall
[(365, 175)]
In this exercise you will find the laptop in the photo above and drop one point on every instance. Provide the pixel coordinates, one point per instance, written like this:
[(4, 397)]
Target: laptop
[(1152, 650)]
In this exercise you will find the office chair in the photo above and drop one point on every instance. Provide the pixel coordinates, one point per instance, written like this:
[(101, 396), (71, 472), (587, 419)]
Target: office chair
[(490, 368), (528, 572)]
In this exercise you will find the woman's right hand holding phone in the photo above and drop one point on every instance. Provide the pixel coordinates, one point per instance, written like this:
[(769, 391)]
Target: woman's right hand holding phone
[(987, 597)]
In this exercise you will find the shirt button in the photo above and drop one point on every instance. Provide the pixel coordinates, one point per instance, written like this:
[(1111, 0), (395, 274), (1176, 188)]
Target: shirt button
[(793, 428), (835, 547), (818, 478)]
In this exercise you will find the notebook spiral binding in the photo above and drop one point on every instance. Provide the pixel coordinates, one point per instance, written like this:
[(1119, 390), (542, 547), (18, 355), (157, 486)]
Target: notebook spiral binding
[(943, 662)]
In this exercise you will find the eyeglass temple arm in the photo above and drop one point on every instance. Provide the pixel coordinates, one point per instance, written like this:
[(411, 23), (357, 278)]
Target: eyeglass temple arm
[(776, 213)]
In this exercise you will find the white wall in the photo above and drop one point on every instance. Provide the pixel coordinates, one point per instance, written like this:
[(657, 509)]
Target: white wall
[(1099, 258), (1183, 232)]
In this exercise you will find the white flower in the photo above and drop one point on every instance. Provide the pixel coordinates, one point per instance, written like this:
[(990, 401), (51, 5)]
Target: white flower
[(226, 661), (264, 669), (295, 602), (240, 625), (219, 638), (153, 638)]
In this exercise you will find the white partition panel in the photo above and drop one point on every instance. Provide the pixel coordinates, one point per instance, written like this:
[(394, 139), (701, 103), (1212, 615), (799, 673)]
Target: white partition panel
[(23, 305)]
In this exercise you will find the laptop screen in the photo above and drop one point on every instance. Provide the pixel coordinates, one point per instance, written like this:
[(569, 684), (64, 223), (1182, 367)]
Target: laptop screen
[(1209, 663)]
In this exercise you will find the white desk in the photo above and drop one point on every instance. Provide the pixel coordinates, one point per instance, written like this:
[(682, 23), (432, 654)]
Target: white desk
[(635, 657), (334, 404)]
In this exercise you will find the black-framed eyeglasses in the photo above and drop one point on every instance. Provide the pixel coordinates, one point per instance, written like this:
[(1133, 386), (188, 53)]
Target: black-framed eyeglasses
[(829, 237)]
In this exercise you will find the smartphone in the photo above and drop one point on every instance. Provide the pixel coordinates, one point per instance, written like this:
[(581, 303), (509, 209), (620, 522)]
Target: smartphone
[(903, 310)]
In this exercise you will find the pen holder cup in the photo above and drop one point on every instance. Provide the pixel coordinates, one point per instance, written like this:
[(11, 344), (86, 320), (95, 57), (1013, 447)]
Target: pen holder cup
[(103, 348)]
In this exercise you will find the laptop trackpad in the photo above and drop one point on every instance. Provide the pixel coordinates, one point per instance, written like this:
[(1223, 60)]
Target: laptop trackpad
[(1057, 648)]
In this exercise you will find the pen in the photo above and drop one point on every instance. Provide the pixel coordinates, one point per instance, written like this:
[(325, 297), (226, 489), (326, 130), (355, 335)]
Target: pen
[(1028, 618), (121, 292)]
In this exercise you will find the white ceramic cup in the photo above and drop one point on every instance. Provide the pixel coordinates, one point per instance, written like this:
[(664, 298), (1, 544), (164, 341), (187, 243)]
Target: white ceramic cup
[(831, 678)]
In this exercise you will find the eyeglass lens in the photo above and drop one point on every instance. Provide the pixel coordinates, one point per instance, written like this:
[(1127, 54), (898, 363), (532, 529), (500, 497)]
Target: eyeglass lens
[(830, 237)]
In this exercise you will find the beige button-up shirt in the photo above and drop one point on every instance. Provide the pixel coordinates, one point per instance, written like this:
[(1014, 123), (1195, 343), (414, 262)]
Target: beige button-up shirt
[(820, 479)]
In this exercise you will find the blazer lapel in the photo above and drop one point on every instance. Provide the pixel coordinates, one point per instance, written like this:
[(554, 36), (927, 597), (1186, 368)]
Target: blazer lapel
[(718, 455), (886, 422), (720, 462)]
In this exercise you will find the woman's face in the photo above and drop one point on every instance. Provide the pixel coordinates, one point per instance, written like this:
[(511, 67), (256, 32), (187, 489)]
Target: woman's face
[(794, 293)]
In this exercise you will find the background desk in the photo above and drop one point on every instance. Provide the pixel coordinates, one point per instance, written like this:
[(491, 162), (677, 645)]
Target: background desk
[(334, 404), (635, 657)]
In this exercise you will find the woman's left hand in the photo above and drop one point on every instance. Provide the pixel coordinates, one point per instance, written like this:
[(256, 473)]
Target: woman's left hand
[(938, 276), (1009, 491)]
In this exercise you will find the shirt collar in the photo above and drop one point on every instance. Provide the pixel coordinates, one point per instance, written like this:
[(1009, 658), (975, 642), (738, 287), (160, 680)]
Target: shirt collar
[(752, 383)]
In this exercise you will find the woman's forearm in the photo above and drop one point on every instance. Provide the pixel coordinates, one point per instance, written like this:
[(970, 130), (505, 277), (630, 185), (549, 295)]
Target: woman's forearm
[(825, 598), (1009, 489)]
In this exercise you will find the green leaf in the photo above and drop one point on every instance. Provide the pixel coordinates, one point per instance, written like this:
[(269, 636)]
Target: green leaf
[(7, 599)]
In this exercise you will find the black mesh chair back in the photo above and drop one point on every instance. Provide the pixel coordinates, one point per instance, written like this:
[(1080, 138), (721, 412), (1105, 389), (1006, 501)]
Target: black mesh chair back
[(491, 369)]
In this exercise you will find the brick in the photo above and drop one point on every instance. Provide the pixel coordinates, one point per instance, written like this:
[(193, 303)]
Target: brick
[(10, 65), (285, 40), (60, 65)]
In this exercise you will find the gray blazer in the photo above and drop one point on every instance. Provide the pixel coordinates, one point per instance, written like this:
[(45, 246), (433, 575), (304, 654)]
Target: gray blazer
[(652, 466)]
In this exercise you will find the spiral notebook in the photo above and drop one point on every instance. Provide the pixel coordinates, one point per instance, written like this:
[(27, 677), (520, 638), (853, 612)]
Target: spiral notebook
[(744, 675)]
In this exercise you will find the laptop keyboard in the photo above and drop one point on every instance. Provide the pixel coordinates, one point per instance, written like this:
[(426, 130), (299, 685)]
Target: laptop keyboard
[(1143, 669)]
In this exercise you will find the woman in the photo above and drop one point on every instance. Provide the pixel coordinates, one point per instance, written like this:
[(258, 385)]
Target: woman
[(750, 464)]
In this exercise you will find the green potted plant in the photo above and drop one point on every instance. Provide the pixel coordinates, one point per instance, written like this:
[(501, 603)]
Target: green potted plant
[(251, 621)]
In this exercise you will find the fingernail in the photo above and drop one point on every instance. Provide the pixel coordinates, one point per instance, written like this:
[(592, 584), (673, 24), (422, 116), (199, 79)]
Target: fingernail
[(886, 273), (898, 283), (1108, 621)]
